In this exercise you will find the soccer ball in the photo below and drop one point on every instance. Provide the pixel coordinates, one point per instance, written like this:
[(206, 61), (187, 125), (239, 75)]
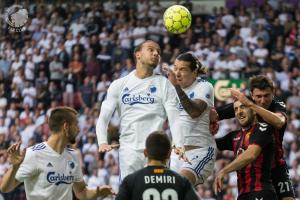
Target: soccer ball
[(177, 19)]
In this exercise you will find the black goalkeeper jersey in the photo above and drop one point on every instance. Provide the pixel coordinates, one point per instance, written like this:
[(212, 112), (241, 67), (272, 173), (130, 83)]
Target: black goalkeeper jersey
[(156, 183), (255, 176), (227, 112)]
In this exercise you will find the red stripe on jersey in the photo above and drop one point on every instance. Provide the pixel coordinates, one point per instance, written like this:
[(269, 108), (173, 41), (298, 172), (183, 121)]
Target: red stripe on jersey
[(248, 178), (258, 172), (240, 184)]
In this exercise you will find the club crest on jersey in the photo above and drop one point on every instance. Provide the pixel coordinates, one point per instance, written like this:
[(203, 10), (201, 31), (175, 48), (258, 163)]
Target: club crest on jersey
[(57, 178), (137, 99), (152, 89), (71, 164), (192, 95)]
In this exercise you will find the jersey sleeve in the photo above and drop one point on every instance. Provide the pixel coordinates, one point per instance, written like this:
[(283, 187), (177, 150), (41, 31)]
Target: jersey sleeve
[(171, 106), (225, 111), (262, 135), (78, 173), (226, 142), (107, 108), (205, 92), (124, 190), (280, 107), (28, 167)]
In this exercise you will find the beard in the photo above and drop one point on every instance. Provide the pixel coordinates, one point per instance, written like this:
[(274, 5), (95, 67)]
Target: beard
[(72, 139)]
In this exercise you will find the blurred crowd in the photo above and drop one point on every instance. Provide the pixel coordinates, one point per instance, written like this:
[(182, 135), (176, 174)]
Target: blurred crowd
[(69, 53)]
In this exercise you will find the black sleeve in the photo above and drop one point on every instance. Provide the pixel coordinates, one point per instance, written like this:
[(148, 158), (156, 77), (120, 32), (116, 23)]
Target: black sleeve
[(263, 134), (279, 107), (226, 111), (226, 143), (124, 190), (190, 192)]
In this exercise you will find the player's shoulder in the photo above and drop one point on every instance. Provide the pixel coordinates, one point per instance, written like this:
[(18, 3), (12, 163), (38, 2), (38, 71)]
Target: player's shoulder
[(264, 127), (70, 151), (203, 81), (37, 150), (183, 181), (278, 105), (160, 78), (120, 81), (37, 147)]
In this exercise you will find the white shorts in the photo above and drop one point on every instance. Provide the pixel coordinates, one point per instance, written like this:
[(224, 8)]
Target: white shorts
[(203, 160), (130, 161)]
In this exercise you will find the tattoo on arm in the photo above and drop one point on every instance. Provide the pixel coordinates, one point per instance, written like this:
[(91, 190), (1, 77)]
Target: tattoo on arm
[(193, 108)]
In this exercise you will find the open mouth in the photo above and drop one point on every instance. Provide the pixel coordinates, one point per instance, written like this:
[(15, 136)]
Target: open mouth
[(242, 117)]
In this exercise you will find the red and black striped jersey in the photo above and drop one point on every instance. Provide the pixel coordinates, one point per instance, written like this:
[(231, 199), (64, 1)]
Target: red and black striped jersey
[(255, 176), (227, 112)]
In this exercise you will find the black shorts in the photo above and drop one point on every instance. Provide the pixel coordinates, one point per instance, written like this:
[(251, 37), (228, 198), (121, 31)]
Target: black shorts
[(282, 182), (265, 195)]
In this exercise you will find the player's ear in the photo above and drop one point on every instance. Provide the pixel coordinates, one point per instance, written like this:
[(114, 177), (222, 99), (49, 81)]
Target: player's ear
[(169, 154), (137, 55), (65, 126), (145, 152)]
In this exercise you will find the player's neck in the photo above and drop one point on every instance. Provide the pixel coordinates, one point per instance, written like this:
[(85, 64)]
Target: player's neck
[(157, 163), (57, 143), (143, 72)]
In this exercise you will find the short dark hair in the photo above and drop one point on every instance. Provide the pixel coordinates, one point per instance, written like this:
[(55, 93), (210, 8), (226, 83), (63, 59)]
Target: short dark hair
[(158, 146), (140, 46), (195, 63), (59, 116), (260, 82)]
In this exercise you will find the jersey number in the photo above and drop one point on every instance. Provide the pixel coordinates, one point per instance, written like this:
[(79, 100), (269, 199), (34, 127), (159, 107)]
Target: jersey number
[(282, 188), (153, 194)]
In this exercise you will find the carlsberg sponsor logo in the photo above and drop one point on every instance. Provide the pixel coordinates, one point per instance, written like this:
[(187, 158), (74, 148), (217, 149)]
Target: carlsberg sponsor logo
[(58, 178), (137, 99)]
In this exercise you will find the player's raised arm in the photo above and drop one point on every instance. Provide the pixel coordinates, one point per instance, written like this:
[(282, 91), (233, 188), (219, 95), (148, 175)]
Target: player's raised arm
[(107, 108), (15, 157), (193, 107), (171, 106)]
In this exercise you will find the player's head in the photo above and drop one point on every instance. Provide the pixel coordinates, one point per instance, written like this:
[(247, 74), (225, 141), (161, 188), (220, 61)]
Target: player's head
[(147, 54), (187, 67), (63, 120), (262, 90), (245, 115), (158, 146)]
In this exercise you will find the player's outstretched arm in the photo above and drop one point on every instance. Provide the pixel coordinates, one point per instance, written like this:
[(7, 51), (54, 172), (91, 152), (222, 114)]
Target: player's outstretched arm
[(82, 192), (107, 108), (241, 161), (275, 119), (15, 157)]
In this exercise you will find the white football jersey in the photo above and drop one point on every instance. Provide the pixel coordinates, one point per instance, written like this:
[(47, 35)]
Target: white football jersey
[(143, 106), (47, 174), (196, 131)]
